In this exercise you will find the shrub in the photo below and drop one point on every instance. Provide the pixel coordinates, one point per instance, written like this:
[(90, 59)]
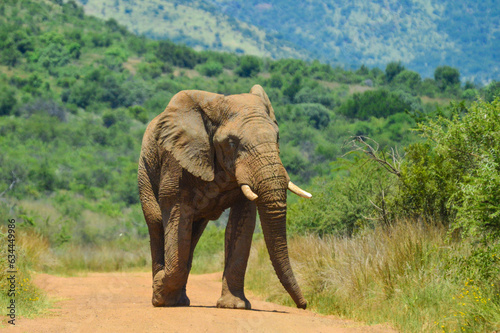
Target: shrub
[(342, 204), (249, 66), (210, 68), (457, 171), (446, 76), (392, 69), (376, 103)]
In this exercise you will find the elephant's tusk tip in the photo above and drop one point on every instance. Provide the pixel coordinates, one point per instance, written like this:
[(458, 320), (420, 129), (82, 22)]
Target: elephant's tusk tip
[(297, 190), (247, 191)]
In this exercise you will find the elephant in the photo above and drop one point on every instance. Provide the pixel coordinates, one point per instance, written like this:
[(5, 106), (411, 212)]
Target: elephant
[(203, 154)]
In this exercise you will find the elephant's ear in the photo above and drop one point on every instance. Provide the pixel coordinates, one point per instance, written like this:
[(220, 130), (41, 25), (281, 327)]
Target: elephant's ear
[(259, 91), (182, 130)]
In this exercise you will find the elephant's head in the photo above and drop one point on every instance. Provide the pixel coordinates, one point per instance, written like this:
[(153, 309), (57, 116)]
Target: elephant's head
[(238, 133)]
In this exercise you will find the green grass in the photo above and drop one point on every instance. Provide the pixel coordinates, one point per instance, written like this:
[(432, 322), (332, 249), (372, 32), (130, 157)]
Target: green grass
[(409, 276)]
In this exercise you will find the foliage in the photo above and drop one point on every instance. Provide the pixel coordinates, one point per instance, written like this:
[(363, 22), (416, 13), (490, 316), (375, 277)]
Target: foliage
[(393, 69), (249, 66), (376, 103), (446, 77), (342, 205), (468, 146), (210, 68)]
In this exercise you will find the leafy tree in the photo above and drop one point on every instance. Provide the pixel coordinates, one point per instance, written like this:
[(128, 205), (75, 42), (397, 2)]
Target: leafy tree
[(275, 81), (178, 55), (492, 91), (249, 66), (376, 103), (293, 87), (210, 68), (408, 80), (454, 177), (315, 114), (392, 69), (139, 113), (446, 76), (7, 101)]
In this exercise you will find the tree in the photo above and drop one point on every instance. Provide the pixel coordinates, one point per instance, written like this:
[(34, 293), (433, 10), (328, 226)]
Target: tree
[(293, 88), (454, 176), (210, 68), (7, 101), (392, 69), (409, 80), (446, 76), (249, 66)]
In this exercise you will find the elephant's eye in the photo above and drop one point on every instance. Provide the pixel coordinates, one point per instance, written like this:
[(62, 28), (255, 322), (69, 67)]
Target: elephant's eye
[(232, 142)]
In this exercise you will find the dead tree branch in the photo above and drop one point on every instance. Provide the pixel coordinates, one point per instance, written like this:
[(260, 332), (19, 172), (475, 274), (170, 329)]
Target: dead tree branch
[(11, 186), (389, 161)]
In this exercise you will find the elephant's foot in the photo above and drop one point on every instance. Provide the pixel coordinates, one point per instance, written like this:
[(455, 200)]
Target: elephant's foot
[(178, 298), (162, 296), (230, 301)]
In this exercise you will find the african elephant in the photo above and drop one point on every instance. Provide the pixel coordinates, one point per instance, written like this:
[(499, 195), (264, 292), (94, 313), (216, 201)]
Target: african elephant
[(203, 154)]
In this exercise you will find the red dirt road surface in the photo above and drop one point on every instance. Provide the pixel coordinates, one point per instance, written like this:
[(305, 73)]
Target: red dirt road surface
[(121, 302)]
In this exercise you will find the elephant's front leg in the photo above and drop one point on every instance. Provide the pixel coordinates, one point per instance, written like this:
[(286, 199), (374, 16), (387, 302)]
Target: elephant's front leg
[(169, 284), (239, 232)]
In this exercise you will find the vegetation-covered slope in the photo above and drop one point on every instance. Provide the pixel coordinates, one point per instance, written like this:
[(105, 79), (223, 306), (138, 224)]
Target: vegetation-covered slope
[(193, 24), (76, 94), (423, 34)]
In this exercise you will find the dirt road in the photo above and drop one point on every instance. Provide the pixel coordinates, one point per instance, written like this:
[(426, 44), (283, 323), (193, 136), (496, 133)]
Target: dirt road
[(120, 302)]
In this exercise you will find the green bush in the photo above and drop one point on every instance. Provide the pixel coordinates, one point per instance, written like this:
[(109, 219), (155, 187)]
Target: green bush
[(249, 66), (446, 77), (376, 103), (393, 69), (343, 204), (7, 101), (455, 176), (210, 68)]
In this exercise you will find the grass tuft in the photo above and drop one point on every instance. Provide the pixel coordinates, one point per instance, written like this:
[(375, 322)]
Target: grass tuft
[(405, 275)]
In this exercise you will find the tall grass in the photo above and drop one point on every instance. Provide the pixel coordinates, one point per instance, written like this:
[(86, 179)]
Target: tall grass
[(118, 255), (32, 253), (407, 275)]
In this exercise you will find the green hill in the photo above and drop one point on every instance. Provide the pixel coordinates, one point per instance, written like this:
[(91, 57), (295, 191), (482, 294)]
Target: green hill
[(422, 34), (76, 93), (193, 24)]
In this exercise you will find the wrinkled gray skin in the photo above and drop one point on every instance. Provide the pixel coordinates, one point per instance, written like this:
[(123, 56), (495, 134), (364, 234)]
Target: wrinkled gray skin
[(195, 157)]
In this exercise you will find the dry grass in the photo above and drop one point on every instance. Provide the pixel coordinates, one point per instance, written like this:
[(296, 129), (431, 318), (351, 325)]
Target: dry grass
[(356, 88), (131, 65), (435, 100), (401, 275)]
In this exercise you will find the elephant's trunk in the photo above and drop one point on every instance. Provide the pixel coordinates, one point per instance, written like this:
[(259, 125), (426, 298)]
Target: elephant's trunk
[(273, 221), (270, 182)]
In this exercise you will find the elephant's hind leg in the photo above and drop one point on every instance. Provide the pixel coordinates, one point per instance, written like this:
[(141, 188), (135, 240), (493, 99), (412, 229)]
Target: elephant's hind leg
[(239, 232)]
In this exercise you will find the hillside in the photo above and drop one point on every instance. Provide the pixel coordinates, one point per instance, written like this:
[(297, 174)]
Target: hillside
[(423, 34), (74, 103), (193, 24)]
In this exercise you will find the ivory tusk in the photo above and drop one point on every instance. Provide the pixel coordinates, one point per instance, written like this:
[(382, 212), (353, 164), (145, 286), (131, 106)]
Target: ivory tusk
[(297, 190), (247, 191)]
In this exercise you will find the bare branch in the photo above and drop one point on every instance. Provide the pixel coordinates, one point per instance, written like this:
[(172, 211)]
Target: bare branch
[(391, 161), (11, 186)]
